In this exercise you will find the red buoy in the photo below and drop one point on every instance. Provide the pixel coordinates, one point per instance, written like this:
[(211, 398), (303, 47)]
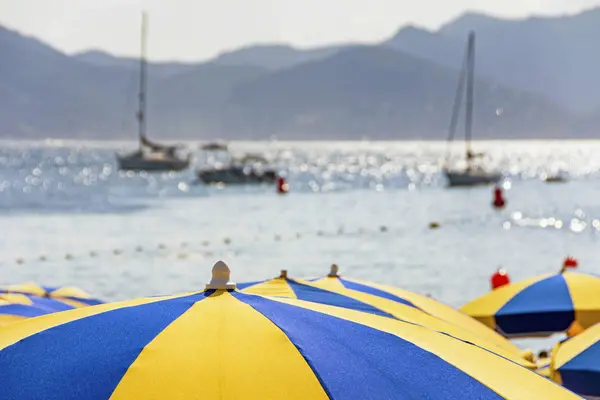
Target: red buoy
[(499, 201), (499, 278), (282, 186)]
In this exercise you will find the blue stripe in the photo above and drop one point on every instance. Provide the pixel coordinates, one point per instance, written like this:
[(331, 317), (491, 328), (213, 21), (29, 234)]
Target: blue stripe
[(89, 302), (22, 310), (50, 304), (353, 361), (582, 373), (245, 285), (543, 307), (374, 291), (322, 296), (85, 358)]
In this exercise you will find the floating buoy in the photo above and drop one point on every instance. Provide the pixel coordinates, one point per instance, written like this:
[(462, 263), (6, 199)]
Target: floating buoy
[(139, 249), (434, 225), (227, 240), (20, 261), (68, 256), (93, 254), (383, 228), (282, 186), (569, 263), (43, 258), (319, 233), (499, 278), (499, 201)]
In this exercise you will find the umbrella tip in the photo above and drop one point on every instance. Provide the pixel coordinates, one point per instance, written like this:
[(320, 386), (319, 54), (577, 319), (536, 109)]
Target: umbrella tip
[(333, 273), (283, 273), (220, 277)]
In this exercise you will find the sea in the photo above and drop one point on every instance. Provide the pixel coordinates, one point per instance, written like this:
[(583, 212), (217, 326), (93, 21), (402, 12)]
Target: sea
[(68, 217)]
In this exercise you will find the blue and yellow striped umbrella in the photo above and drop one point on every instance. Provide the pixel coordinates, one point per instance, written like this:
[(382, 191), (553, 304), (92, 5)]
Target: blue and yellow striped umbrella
[(353, 287), (576, 362), (283, 286), (70, 295), (223, 344), (14, 312), (43, 303), (540, 306)]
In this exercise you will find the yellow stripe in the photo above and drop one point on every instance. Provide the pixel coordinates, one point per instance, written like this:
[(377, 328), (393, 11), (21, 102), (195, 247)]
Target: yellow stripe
[(16, 298), (10, 319), (436, 309), (220, 348), (505, 378), (584, 291), (485, 307), (29, 287), (273, 287), (329, 283), (570, 349), (15, 332), (70, 291)]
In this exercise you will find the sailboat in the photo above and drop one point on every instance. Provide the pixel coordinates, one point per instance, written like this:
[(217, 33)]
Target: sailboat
[(150, 156), (473, 174)]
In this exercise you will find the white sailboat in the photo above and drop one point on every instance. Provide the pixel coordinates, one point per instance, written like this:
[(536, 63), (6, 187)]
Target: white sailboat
[(473, 174), (150, 156)]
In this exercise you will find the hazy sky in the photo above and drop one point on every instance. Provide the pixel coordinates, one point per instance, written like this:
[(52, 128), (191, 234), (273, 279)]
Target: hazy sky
[(199, 29)]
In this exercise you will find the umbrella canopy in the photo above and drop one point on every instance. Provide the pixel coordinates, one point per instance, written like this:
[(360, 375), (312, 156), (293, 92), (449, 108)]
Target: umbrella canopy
[(43, 303), (576, 362), (221, 343), (283, 286), (540, 306), (354, 287), (11, 312), (70, 295)]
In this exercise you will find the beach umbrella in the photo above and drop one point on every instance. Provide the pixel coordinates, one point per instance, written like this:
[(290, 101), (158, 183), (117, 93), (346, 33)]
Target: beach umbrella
[(576, 362), (43, 303), (540, 306), (355, 287), (283, 286), (13, 312), (70, 295), (221, 343)]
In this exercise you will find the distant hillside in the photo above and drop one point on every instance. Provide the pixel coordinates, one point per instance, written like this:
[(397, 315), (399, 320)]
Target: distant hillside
[(383, 94), (345, 92)]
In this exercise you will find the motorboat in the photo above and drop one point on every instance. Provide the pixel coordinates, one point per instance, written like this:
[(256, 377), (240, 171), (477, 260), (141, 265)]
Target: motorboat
[(247, 170)]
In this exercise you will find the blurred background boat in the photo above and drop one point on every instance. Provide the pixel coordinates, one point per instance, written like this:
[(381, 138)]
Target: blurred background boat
[(150, 156)]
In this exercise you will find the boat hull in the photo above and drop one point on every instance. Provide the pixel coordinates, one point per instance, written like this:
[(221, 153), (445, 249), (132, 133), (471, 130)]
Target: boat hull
[(466, 178), (236, 176), (141, 164)]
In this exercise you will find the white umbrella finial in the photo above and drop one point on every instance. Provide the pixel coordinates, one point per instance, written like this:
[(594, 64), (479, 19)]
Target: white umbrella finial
[(334, 271), (220, 277)]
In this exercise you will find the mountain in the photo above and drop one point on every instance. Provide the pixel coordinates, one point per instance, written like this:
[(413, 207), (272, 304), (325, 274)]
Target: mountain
[(384, 94), (553, 56), (345, 92), (274, 57)]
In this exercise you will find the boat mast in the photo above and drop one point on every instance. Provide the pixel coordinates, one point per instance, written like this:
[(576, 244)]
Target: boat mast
[(469, 105), (141, 115)]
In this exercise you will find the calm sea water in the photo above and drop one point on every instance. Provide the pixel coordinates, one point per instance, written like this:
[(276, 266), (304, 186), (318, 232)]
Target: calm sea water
[(68, 217)]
